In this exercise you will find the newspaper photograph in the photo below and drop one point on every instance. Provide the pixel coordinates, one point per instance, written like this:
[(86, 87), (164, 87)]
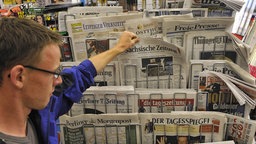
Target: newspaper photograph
[(174, 29), (94, 28), (105, 128), (165, 100), (189, 127), (153, 63)]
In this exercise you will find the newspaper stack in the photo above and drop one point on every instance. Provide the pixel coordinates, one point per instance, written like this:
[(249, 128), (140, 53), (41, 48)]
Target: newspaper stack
[(224, 93), (222, 66), (165, 100), (153, 63)]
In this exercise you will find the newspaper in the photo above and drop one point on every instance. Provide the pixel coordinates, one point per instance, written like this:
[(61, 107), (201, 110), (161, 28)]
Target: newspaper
[(222, 66), (153, 63), (240, 130), (218, 92), (85, 11), (191, 127), (94, 28), (104, 128), (146, 27), (174, 29), (212, 45), (165, 100), (216, 8), (174, 4), (106, 99), (195, 12)]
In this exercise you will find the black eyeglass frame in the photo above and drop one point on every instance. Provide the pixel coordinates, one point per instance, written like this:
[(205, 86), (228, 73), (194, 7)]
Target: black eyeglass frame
[(56, 74)]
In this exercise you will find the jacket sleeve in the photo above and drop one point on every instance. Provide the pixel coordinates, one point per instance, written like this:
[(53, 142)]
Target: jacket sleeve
[(81, 78)]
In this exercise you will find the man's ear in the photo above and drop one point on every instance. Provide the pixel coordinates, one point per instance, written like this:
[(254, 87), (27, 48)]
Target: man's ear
[(17, 75)]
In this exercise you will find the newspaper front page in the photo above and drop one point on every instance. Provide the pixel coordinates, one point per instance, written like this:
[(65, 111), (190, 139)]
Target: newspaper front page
[(153, 63), (211, 45), (174, 29), (218, 93), (94, 28), (222, 66), (165, 100), (101, 129), (106, 99), (240, 130), (191, 127)]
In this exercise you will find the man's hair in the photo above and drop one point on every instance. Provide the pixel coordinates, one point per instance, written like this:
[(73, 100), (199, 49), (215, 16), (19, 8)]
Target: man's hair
[(21, 42)]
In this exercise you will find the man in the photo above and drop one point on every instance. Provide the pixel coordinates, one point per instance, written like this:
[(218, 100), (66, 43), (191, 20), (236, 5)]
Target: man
[(30, 71)]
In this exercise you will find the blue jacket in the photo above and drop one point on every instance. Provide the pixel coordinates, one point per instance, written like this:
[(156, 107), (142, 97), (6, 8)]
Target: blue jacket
[(75, 81)]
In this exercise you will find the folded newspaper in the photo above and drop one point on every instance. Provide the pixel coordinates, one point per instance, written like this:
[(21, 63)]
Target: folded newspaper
[(224, 93), (222, 66)]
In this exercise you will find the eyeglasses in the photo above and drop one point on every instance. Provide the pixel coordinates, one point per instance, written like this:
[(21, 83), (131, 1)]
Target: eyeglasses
[(56, 73)]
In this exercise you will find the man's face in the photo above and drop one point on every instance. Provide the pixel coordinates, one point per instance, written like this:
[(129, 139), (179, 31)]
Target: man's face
[(39, 85)]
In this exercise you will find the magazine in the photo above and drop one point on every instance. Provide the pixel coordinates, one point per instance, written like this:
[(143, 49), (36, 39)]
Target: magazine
[(153, 63), (165, 100), (104, 128), (192, 127)]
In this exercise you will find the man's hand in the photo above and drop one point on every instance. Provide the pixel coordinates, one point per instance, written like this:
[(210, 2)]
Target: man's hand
[(126, 41)]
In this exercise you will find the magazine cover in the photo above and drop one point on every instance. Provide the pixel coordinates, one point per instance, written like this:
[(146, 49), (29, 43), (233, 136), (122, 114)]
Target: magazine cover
[(165, 100), (153, 63), (101, 129), (189, 127)]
